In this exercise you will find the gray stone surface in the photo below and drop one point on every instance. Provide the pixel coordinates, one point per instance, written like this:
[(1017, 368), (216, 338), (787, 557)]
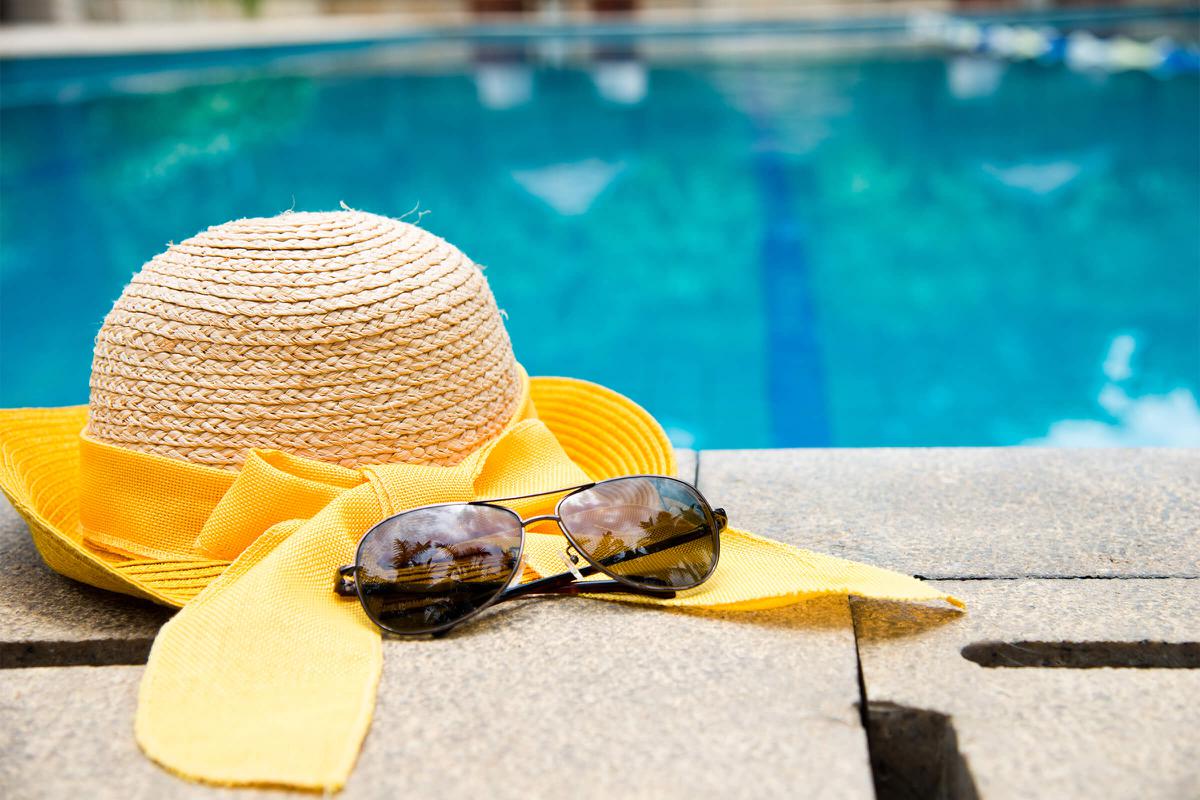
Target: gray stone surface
[(48, 619), (685, 464), (568, 696), (1035, 732), (973, 512), (68, 732), (580, 698), (544, 698)]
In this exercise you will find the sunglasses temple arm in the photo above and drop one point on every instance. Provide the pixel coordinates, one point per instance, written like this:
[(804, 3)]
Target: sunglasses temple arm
[(566, 583), (572, 586)]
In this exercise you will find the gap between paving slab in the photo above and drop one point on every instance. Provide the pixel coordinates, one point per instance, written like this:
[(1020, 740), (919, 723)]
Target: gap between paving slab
[(941, 724)]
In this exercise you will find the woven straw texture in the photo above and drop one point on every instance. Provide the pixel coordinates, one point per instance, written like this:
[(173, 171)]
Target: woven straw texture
[(344, 337)]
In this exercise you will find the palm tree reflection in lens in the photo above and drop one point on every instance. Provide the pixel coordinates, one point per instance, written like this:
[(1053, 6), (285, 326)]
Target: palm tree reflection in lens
[(651, 531), (439, 564)]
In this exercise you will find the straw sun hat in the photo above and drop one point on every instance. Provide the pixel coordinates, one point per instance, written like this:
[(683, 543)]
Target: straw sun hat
[(343, 337), (261, 395)]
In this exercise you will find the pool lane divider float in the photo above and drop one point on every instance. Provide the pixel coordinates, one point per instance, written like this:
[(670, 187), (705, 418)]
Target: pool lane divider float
[(1080, 50)]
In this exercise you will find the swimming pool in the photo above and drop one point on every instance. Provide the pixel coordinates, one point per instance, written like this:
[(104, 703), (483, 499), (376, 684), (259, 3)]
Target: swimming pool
[(765, 247)]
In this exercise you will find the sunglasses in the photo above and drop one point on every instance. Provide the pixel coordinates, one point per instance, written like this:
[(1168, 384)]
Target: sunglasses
[(428, 569)]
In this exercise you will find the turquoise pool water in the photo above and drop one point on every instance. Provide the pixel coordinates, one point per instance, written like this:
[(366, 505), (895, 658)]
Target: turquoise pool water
[(874, 249)]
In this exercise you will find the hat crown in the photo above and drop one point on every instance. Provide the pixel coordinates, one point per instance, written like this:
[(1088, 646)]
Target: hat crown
[(344, 336)]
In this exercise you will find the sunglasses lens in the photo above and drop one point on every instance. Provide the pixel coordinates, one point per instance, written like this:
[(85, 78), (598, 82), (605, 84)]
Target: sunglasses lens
[(428, 568), (652, 532)]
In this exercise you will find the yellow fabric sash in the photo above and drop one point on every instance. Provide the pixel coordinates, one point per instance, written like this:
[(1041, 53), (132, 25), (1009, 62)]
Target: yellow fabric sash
[(269, 678)]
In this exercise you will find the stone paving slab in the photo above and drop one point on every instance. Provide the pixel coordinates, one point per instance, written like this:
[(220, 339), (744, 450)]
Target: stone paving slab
[(550, 697), (48, 619), (973, 512), (535, 698), (68, 732), (586, 699), (1032, 732)]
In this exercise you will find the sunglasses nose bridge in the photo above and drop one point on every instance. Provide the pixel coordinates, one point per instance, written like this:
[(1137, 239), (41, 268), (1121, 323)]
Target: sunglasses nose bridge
[(542, 518)]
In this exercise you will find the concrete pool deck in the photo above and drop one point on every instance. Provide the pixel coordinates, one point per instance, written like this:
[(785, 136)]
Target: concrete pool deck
[(40, 40), (1073, 564), (185, 34)]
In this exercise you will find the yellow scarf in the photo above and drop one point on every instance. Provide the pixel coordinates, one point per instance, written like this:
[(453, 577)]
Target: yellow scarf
[(268, 678)]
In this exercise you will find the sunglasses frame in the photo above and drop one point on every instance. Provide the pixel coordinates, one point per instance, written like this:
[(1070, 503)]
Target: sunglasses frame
[(564, 583)]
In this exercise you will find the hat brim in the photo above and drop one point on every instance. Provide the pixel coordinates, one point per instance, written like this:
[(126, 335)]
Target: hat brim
[(603, 432)]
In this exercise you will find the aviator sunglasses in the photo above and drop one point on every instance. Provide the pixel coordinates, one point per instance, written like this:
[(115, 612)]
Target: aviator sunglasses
[(426, 570)]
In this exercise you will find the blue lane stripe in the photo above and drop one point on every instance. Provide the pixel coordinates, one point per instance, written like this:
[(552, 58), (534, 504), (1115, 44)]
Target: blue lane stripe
[(796, 392)]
